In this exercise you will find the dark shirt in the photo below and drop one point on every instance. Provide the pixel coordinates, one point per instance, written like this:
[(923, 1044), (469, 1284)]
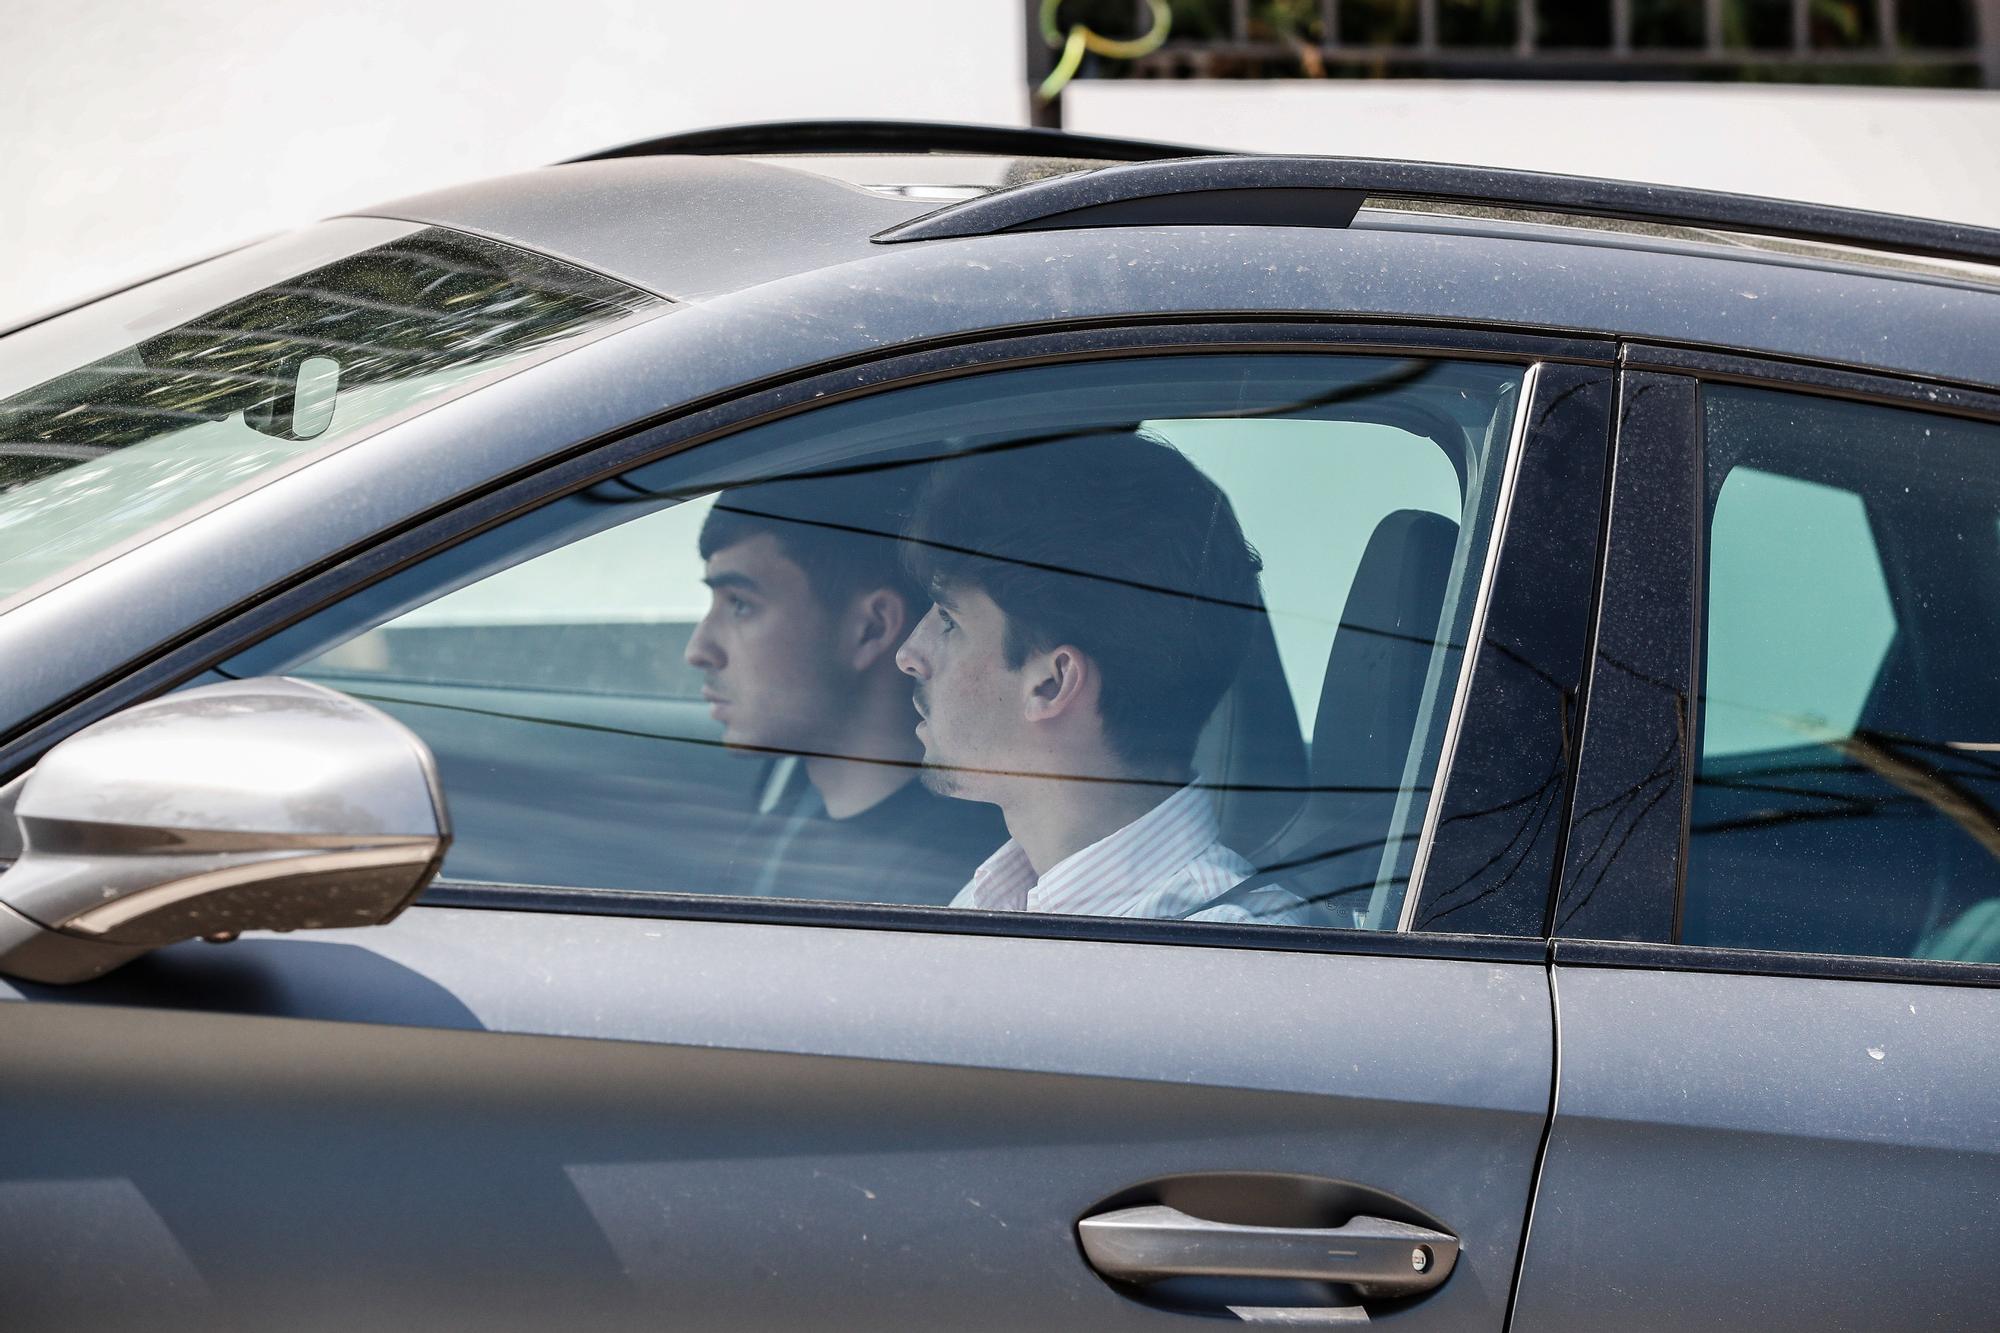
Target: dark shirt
[(912, 847)]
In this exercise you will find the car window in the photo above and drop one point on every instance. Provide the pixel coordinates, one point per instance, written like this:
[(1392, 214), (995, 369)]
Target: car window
[(133, 411), (1845, 797), (1164, 637)]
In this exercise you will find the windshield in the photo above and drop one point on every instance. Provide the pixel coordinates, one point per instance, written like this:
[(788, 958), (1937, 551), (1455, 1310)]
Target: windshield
[(136, 410)]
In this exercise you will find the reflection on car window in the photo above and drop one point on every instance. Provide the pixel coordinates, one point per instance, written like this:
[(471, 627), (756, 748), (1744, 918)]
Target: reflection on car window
[(1775, 592), (603, 615), (230, 392), (1166, 637), (1847, 798)]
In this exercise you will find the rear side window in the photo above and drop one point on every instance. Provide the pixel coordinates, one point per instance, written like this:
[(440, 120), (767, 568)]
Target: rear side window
[(1848, 787), (1184, 631)]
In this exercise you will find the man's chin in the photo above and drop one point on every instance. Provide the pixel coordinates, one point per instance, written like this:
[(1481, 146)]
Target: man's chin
[(736, 738), (941, 781)]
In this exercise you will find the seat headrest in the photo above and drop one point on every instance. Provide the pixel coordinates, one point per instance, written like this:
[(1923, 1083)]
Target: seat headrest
[(1251, 750), (1330, 854), (1381, 651)]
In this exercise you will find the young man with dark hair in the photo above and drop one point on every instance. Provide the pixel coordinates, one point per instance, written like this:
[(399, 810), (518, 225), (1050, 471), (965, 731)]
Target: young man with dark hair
[(1092, 600), (808, 604)]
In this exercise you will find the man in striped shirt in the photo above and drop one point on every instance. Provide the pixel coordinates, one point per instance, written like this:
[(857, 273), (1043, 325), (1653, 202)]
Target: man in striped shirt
[(1092, 597)]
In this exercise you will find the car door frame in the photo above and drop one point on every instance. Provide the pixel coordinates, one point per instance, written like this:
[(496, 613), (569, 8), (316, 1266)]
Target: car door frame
[(1570, 442), (1544, 493)]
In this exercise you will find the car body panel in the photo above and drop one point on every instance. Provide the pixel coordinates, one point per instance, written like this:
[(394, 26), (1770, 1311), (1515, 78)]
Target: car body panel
[(1754, 1152), (676, 227), (765, 1127)]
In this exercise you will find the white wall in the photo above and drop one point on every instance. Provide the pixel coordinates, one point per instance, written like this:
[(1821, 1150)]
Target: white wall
[(135, 135), (1935, 153)]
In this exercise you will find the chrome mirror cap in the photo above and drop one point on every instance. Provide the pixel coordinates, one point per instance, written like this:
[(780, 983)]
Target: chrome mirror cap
[(265, 804)]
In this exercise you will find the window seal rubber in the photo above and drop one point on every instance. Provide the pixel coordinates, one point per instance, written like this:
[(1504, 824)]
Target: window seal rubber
[(650, 905), (1631, 954)]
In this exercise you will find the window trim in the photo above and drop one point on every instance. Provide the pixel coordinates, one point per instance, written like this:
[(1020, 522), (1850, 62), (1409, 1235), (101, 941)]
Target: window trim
[(672, 432), (1656, 957), (1531, 661), (1475, 637), (648, 905), (1938, 396), (1642, 663), (1656, 895)]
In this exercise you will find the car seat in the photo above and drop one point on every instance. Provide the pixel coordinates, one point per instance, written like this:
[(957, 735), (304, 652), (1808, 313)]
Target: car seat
[(1329, 853), (1250, 751)]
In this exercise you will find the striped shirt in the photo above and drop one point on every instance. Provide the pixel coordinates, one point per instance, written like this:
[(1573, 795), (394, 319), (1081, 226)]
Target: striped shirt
[(1166, 863)]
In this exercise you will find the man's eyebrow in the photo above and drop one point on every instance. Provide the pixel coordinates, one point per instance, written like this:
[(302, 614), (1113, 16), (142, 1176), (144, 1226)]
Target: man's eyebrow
[(942, 596), (729, 580)]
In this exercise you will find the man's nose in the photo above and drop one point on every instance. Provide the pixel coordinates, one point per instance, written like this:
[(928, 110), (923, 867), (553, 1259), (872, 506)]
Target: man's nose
[(702, 654), (910, 660)]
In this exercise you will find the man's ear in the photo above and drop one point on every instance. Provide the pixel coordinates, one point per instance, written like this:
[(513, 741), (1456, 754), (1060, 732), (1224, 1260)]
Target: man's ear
[(1061, 682), (880, 621)]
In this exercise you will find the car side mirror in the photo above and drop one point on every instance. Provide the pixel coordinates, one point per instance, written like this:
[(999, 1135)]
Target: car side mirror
[(263, 804)]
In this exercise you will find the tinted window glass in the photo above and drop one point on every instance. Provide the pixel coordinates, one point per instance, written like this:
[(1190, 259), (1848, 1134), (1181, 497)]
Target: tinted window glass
[(1187, 629), (1850, 765), (251, 360)]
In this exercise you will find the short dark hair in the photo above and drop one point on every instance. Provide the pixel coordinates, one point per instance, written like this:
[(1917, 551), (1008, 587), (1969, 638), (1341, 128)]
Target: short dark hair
[(1114, 543), (842, 530)]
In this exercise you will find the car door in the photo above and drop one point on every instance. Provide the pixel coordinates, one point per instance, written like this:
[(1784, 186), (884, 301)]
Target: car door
[(1776, 968), (578, 1085)]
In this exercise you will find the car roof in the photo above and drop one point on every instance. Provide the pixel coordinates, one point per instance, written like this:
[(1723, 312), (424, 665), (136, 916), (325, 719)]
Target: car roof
[(701, 217), (777, 269), (686, 228)]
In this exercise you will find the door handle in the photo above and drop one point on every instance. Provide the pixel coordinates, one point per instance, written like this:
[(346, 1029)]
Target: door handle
[(1373, 1255)]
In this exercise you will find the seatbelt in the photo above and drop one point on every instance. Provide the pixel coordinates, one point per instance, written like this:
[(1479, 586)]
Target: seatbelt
[(1238, 895), (806, 808), (1246, 892)]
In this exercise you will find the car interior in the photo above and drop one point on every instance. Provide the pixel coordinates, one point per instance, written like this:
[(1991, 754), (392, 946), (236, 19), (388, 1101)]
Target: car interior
[(649, 799), (1890, 822)]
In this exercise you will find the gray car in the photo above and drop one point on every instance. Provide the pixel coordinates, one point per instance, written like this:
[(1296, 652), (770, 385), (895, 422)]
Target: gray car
[(1555, 886)]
